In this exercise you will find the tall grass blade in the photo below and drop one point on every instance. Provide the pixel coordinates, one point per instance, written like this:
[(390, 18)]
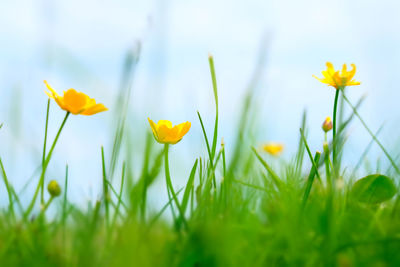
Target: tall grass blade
[(310, 178), (189, 187), (372, 135)]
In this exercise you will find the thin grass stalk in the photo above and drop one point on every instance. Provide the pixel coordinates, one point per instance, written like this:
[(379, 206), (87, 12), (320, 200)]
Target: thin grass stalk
[(309, 153), (208, 146), (46, 163), (334, 125), (170, 187), (44, 148), (119, 196), (215, 89), (8, 187), (105, 187), (372, 135), (65, 201), (273, 175), (310, 179)]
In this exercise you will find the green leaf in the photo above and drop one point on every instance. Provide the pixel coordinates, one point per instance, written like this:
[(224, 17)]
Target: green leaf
[(373, 189), (189, 187)]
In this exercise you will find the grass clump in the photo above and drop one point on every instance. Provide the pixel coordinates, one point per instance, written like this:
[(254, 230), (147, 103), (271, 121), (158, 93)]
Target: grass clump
[(237, 211)]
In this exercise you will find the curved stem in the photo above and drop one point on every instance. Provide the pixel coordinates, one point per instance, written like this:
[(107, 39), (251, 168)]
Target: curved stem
[(46, 163), (8, 187), (170, 187)]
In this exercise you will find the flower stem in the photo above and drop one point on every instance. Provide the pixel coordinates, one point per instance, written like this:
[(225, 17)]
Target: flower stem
[(170, 187), (46, 163), (44, 149), (334, 126), (47, 204)]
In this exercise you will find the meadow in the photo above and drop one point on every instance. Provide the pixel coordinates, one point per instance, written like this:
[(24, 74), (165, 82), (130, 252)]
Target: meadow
[(246, 210)]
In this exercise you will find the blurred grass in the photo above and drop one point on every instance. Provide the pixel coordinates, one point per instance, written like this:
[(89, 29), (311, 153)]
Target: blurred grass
[(249, 210)]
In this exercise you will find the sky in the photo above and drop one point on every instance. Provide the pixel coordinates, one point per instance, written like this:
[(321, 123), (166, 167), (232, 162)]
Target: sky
[(82, 44)]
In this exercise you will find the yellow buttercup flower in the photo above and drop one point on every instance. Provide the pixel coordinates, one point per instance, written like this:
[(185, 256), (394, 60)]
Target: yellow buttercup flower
[(273, 148), (75, 102), (165, 133), (338, 79)]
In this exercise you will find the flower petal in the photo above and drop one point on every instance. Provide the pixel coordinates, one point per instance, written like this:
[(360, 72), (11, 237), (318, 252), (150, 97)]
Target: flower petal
[(97, 108), (167, 123)]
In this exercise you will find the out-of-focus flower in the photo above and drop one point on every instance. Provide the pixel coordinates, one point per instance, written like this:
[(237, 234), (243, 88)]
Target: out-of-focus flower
[(75, 102), (165, 133), (338, 79), (327, 125), (275, 149), (54, 188)]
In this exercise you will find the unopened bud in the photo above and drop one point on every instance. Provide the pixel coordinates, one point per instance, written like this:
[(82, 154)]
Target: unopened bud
[(54, 188), (327, 125)]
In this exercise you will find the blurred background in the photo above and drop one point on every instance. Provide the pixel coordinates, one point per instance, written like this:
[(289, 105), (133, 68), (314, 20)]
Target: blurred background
[(277, 43)]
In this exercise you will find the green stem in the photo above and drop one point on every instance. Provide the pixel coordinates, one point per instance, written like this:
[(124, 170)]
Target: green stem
[(334, 125), (214, 83), (105, 186), (119, 196), (303, 137), (210, 155), (47, 204), (327, 163), (44, 149), (310, 180), (46, 163), (170, 187), (8, 187), (273, 175), (64, 208), (372, 135)]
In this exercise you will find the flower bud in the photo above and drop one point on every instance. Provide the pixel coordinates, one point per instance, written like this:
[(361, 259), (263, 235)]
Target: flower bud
[(327, 125), (54, 188)]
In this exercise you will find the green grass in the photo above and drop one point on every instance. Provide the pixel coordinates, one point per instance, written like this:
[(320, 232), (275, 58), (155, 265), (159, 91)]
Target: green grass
[(242, 210)]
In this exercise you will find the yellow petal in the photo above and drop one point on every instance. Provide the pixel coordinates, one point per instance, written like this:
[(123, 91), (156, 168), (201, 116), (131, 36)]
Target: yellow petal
[(97, 108), (163, 132), (153, 128), (167, 123), (185, 128), (344, 70), (54, 93), (49, 94), (330, 68), (74, 101)]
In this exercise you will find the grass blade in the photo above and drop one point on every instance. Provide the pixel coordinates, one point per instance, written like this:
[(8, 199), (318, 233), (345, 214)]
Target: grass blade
[(372, 135), (189, 186), (310, 178), (273, 175)]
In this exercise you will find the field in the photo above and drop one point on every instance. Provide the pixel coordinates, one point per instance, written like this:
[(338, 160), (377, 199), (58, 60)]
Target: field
[(250, 210)]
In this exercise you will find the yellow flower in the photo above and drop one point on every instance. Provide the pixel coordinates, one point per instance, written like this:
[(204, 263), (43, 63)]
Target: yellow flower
[(273, 148), (338, 79), (75, 102), (164, 133)]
